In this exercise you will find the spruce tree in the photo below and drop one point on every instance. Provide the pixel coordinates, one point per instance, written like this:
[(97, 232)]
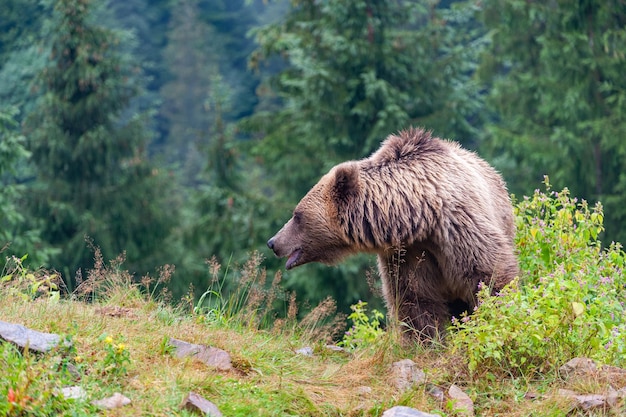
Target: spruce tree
[(557, 88), (18, 237), (93, 179)]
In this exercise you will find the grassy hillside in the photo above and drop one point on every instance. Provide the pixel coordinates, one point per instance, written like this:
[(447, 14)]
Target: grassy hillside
[(506, 356)]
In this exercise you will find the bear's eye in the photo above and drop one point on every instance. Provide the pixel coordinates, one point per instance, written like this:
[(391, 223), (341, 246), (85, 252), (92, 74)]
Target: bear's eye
[(297, 217)]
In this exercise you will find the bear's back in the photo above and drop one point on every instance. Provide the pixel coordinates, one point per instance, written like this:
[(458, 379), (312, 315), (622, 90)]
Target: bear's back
[(408, 145), (442, 172)]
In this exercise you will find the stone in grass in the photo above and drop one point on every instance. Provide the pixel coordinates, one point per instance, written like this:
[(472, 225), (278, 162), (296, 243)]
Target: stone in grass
[(116, 400), (75, 392), (25, 337), (589, 402), (213, 357), (195, 403), (305, 351), (402, 411), (406, 374), (463, 404), (578, 366), (436, 392), (589, 367)]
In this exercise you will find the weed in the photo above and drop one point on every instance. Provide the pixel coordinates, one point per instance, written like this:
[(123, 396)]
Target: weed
[(323, 323), (107, 281), (365, 330), (250, 303), (31, 386), (28, 284), (116, 358)]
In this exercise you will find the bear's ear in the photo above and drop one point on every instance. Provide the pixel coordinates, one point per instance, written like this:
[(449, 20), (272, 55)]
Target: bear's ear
[(346, 183)]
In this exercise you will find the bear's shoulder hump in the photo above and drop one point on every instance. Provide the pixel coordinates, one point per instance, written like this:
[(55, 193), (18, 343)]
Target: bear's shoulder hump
[(409, 144)]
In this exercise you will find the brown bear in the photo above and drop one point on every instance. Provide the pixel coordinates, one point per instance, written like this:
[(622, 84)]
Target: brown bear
[(439, 218)]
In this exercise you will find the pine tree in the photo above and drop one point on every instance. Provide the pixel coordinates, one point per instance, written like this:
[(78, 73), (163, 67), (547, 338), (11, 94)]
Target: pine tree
[(93, 180), (21, 56), (191, 61), (354, 72), (558, 93), (18, 237)]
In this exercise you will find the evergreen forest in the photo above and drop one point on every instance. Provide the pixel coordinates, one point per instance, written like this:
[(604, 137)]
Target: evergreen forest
[(166, 133)]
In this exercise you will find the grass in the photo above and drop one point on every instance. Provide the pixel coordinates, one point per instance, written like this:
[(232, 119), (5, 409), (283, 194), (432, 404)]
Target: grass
[(111, 311), (119, 330), (269, 378)]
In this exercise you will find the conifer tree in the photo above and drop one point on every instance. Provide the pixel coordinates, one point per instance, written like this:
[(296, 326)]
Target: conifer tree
[(93, 179), (191, 60), (17, 236), (558, 93)]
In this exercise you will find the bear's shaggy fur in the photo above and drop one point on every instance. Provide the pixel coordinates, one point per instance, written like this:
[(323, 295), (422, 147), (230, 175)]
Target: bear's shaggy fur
[(438, 217)]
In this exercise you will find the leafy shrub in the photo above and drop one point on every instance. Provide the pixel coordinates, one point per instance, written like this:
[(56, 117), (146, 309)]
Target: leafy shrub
[(29, 284), (568, 301), (365, 329)]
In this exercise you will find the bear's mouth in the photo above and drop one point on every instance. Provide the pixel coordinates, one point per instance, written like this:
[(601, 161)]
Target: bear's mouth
[(293, 259)]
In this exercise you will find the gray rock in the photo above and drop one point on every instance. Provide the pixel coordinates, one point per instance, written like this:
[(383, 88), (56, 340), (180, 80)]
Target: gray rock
[(73, 371), (195, 403), (463, 404), (211, 356), (116, 400), (75, 392), (562, 392), (335, 348), (305, 351), (614, 396), (588, 402), (436, 392), (406, 374), (578, 366), (23, 337), (586, 366), (402, 411)]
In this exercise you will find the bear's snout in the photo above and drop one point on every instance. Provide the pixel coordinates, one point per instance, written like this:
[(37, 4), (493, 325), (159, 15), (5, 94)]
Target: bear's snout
[(270, 243)]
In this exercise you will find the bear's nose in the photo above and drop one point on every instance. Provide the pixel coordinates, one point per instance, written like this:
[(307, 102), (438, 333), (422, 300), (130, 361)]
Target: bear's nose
[(270, 243)]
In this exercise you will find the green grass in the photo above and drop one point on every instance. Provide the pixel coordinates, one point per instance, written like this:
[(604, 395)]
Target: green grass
[(269, 378), (571, 290)]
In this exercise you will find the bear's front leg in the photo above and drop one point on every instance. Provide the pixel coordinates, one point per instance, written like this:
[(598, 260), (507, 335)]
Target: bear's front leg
[(412, 287), (421, 318)]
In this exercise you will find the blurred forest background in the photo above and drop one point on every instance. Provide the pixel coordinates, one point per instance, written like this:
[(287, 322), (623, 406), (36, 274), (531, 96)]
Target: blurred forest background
[(175, 130)]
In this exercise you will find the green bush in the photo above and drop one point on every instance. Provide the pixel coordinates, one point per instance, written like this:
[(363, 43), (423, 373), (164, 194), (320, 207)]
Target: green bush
[(567, 302), (364, 330)]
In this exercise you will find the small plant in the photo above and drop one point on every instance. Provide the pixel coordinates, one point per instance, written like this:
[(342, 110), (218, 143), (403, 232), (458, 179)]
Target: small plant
[(365, 329), (211, 305), (568, 301), (30, 385), (117, 357), (29, 284), (247, 302), (322, 323)]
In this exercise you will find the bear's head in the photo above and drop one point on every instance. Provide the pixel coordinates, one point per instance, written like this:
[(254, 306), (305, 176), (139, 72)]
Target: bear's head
[(318, 230)]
